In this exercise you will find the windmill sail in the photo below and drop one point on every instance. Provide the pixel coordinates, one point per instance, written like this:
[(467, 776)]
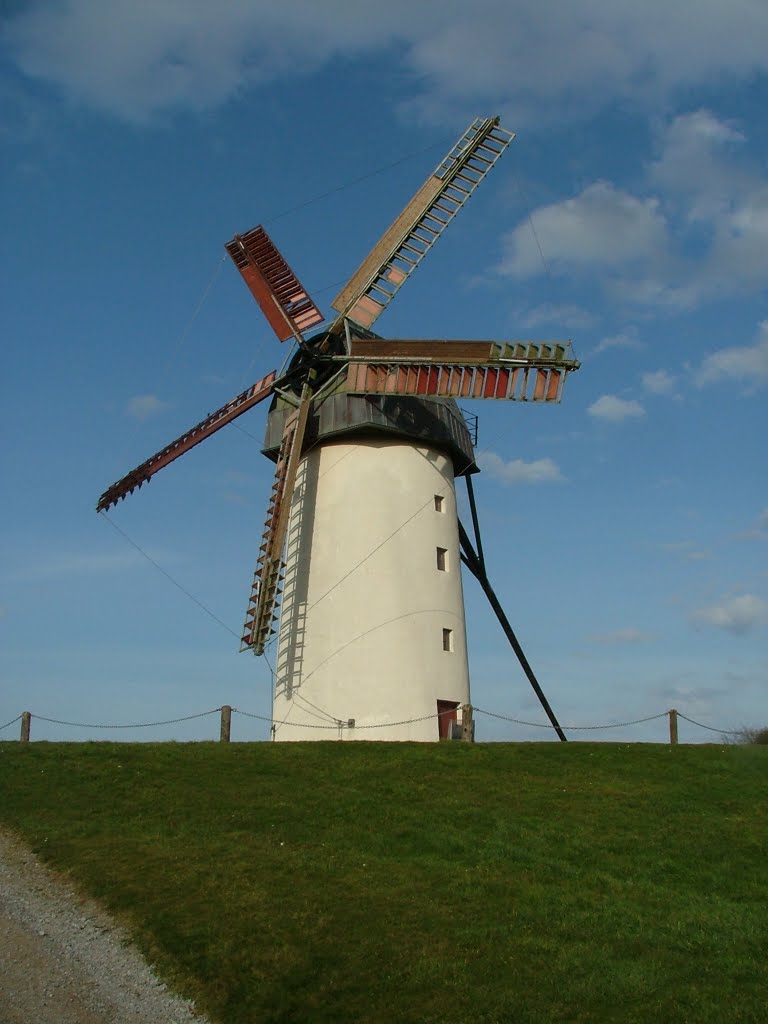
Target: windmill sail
[(267, 579), (511, 371), (127, 485), (283, 300), (402, 247)]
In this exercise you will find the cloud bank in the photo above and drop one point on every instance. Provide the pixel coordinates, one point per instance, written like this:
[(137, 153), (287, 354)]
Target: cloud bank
[(695, 229), (133, 58)]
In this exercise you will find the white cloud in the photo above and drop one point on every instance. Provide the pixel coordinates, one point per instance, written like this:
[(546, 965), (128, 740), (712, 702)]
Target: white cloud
[(141, 407), (717, 192), (747, 364), (602, 226), (690, 159), (615, 409), (653, 289), (624, 339), (518, 471), (719, 198), (740, 247), (735, 614), (696, 230), (134, 57), (564, 316), (660, 382)]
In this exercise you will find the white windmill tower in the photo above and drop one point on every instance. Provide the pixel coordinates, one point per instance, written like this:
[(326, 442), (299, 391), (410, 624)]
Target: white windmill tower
[(362, 537)]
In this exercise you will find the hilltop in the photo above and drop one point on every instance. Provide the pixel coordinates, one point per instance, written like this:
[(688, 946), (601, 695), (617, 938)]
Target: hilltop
[(357, 882)]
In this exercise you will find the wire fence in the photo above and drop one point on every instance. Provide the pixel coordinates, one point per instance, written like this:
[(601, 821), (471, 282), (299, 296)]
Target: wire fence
[(351, 728), (576, 728)]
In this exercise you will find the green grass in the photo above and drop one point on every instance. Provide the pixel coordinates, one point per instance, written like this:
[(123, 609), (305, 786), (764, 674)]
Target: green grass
[(428, 883)]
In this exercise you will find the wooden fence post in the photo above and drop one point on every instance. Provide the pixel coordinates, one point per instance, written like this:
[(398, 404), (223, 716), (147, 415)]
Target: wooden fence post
[(26, 719), (467, 731), (226, 722), (673, 726)]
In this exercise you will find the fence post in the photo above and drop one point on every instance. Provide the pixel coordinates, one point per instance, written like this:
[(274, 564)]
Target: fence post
[(467, 731), (226, 722), (26, 718), (672, 726)]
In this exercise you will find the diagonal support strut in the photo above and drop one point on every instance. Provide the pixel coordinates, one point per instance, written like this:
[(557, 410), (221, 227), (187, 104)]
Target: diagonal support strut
[(473, 562)]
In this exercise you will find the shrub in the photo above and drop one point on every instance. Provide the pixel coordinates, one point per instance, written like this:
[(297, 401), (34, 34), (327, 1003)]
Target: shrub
[(749, 734)]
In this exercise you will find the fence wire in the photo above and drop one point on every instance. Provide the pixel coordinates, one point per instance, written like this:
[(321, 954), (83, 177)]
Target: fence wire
[(342, 724), (574, 728), (277, 721), (132, 725), (338, 724), (723, 732)]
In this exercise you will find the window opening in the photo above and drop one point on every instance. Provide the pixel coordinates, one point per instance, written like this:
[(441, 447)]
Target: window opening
[(447, 639), (442, 559), (439, 503)]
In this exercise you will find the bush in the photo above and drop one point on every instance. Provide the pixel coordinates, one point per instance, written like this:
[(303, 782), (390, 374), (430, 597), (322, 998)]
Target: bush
[(749, 734)]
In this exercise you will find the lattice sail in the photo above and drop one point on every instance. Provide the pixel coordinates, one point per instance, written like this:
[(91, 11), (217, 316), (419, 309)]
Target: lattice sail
[(268, 577), (402, 247), (215, 421)]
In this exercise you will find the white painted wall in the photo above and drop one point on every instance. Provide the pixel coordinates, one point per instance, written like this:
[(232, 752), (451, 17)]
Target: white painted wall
[(364, 604)]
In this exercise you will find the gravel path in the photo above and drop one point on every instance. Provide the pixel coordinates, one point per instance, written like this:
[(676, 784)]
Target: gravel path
[(64, 961)]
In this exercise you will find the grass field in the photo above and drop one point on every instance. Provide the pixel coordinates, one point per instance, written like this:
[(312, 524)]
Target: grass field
[(420, 883)]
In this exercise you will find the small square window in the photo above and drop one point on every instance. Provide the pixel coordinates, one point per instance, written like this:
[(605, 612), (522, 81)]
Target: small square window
[(447, 639), (439, 503), (442, 559)]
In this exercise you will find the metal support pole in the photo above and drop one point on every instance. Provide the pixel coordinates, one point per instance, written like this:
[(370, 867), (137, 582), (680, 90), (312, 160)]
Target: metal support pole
[(472, 562), (475, 522), (673, 726), (226, 722), (26, 719)]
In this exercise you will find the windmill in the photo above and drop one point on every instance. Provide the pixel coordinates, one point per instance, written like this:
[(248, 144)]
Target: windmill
[(362, 546)]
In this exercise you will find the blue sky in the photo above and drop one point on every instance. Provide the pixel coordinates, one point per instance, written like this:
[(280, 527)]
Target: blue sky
[(626, 528)]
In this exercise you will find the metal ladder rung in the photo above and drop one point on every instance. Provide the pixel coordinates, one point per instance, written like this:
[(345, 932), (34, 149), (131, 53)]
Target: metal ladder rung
[(419, 238), (470, 181), (376, 287), (413, 243), (482, 159), (445, 209), (438, 220), (495, 153), (410, 248), (458, 188)]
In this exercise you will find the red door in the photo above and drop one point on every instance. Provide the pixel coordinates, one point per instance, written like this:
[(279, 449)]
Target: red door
[(446, 716)]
